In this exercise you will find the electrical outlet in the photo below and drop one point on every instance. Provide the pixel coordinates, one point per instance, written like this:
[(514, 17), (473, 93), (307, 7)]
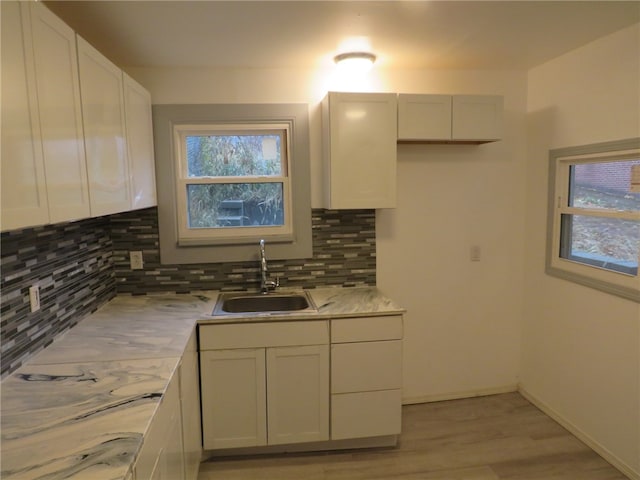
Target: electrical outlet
[(135, 259), (34, 298)]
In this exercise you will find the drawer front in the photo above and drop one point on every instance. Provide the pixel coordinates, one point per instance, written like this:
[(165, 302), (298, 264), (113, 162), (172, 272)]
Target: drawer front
[(255, 335), (366, 414), (366, 329), (360, 367)]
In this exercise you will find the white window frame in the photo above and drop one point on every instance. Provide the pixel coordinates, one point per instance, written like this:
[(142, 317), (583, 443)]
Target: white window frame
[(209, 236), (560, 162)]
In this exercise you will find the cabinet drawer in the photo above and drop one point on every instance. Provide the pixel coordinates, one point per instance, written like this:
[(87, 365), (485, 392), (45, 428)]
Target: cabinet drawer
[(359, 367), (367, 414), (365, 329), (255, 335)]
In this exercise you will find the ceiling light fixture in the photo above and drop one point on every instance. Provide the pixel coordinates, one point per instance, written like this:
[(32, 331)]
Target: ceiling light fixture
[(360, 60)]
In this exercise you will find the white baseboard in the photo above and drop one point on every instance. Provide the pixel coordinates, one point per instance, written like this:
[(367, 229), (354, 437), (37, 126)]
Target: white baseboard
[(461, 394), (584, 437)]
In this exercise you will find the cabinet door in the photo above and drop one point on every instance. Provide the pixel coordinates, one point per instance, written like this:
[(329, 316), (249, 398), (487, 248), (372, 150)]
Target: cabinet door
[(137, 103), (424, 117), (24, 194), (190, 404), (161, 455), (361, 164), (477, 117), (298, 394), (104, 131), (233, 389), (57, 83), (173, 452)]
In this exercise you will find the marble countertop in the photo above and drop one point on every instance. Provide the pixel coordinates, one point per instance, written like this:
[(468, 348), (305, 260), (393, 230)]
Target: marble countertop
[(80, 408)]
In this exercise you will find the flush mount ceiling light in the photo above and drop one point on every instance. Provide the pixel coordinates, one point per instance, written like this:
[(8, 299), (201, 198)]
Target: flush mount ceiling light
[(356, 60)]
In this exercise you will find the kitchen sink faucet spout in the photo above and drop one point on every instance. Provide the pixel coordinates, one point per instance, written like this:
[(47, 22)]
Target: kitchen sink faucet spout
[(265, 285)]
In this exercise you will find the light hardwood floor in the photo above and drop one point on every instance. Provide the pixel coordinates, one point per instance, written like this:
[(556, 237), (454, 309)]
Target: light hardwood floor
[(483, 438)]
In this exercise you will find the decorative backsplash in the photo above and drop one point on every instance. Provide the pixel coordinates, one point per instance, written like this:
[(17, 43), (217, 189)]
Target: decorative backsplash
[(344, 253), (80, 266), (71, 263)]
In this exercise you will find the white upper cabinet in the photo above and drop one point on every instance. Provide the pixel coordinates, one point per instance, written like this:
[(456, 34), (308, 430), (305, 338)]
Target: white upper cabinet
[(104, 131), (450, 118), (24, 194), (60, 115), (424, 117), (137, 103), (476, 117), (359, 150), (77, 139)]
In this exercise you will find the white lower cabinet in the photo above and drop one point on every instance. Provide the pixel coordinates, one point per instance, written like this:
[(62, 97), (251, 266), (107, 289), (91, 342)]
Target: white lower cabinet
[(172, 448), (264, 384), (366, 377), (234, 398), (315, 384), (297, 394), (190, 405), (161, 456)]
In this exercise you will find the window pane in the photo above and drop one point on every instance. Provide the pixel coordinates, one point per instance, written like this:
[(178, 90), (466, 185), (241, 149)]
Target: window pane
[(603, 185), (233, 155), (605, 242), (235, 205)]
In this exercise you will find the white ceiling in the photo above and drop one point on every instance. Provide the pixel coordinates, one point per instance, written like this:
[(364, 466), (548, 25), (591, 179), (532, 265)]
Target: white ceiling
[(404, 34)]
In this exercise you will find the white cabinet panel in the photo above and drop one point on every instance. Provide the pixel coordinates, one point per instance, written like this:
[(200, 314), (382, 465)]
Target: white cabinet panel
[(366, 414), (104, 131), (359, 150), (366, 377), (477, 117), (24, 194), (267, 334), (268, 395), (57, 83), (449, 118), (424, 117), (298, 394), (366, 329), (137, 102), (161, 455), (365, 366), (234, 398), (190, 404)]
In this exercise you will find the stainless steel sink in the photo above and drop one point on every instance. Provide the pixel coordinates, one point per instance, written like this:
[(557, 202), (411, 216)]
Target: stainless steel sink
[(245, 302)]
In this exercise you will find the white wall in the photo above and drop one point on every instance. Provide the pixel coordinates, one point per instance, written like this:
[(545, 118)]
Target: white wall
[(463, 319), (581, 349)]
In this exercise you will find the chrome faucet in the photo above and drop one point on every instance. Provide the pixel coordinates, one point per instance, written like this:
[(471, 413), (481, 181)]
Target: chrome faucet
[(265, 285)]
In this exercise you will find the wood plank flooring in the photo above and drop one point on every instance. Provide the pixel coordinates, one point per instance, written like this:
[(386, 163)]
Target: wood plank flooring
[(483, 438)]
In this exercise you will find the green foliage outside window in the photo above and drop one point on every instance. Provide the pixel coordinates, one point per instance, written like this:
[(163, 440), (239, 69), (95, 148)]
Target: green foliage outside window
[(234, 202)]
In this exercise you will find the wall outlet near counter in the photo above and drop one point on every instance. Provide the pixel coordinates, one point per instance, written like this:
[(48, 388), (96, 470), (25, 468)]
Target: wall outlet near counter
[(34, 298), (135, 259)]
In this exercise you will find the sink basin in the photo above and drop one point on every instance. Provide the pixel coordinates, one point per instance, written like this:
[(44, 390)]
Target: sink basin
[(229, 303)]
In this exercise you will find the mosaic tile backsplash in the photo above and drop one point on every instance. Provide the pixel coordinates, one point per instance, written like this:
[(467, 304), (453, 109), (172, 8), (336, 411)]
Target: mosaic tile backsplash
[(344, 253), (79, 266), (71, 263)]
